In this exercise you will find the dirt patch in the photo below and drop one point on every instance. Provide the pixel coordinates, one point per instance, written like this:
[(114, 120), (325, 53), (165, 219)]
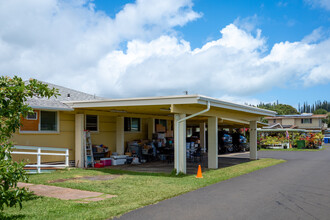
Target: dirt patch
[(66, 193), (92, 178)]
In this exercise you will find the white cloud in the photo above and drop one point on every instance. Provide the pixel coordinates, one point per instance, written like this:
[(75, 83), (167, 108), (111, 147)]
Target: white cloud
[(248, 23), (319, 3), (72, 44), (53, 40), (235, 65), (315, 36), (241, 100)]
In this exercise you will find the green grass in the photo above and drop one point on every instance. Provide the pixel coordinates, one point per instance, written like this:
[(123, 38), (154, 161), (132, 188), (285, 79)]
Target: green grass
[(133, 189)]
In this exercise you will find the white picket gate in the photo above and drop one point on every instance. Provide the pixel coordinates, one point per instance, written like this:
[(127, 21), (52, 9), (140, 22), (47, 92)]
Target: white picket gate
[(39, 152)]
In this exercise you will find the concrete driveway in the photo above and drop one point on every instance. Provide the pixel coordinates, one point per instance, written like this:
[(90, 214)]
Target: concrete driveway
[(297, 189)]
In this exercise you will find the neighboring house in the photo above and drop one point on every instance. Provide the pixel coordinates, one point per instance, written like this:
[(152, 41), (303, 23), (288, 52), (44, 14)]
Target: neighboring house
[(60, 122), (305, 121)]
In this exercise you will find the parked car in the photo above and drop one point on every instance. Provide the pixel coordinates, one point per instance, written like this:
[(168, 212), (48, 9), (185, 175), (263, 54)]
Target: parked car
[(244, 144)]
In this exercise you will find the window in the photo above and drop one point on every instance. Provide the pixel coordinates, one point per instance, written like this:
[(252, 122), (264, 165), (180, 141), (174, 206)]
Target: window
[(132, 124), (306, 121), (32, 116), (274, 121), (40, 122), (48, 121), (91, 123)]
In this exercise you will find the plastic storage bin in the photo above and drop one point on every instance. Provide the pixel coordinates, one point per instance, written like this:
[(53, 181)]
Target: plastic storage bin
[(106, 161), (118, 160)]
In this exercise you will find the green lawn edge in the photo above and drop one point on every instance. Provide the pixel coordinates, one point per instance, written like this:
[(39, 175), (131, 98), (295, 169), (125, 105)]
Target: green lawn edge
[(134, 190)]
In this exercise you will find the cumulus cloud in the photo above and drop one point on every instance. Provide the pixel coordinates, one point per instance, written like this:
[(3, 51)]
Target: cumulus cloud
[(235, 64), (61, 41), (74, 45)]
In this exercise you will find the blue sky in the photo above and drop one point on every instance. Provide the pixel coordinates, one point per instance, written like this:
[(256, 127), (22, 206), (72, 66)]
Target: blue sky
[(241, 51)]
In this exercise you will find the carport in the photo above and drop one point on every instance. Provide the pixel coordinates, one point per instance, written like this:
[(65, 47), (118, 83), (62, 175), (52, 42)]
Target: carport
[(208, 112)]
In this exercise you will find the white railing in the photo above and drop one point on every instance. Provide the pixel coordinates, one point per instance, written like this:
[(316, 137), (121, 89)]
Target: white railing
[(39, 154)]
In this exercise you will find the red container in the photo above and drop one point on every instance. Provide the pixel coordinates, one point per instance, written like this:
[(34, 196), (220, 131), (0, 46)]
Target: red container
[(106, 161), (98, 165)]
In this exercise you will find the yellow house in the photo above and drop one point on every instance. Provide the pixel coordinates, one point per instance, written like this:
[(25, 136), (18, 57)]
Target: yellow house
[(60, 122), (307, 121)]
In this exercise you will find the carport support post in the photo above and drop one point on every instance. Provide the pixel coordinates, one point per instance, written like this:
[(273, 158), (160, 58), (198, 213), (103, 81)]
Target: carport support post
[(253, 140), (79, 140), (202, 136), (180, 143), (212, 130), (120, 135), (151, 127)]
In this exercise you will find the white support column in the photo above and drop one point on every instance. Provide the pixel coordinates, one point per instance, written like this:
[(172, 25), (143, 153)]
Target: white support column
[(253, 140), (120, 138), (151, 127), (202, 136), (79, 140), (180, 143), (212, 130)]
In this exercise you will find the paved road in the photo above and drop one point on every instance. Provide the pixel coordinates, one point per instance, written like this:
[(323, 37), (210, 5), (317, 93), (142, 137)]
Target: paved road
[(297, 189)]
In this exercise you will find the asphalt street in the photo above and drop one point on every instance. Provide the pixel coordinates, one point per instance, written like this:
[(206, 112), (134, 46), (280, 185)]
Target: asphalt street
[(297, 189)]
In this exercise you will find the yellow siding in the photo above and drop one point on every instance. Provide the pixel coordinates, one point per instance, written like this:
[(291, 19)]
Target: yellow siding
[(107, 132), (63, 139), (288, 121), (66, 136), (315, 124)]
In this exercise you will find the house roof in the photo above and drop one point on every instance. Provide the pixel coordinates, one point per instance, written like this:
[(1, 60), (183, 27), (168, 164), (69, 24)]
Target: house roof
[(57, 103), (304, 115), (164, 106), (277, 125), (170, 100)]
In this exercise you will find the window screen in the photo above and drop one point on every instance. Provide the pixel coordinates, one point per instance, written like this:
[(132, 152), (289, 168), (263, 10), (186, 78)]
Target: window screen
[(132, 124), (32, 116), (91, 123), (306, 121), (48, 121)]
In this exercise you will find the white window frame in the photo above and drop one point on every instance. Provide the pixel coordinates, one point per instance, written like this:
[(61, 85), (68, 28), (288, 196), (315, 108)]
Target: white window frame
[(39, 125), (36, 118), (98, 123)]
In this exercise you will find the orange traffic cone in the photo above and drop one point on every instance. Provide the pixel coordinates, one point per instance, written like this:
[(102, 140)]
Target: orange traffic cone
[(199, 172)]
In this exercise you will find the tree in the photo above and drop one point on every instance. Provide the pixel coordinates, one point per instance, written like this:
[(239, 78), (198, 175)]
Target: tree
[(281, 109), (320, 111), (14, 92)]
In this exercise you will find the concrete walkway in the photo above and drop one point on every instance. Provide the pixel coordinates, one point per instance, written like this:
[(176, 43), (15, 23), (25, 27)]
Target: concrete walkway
[(65, 193), (297, 189)]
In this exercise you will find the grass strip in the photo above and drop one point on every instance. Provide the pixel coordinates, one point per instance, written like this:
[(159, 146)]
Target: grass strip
[(133, 189)]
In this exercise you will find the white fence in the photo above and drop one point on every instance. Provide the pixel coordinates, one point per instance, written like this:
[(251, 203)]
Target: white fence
[(39, 154)]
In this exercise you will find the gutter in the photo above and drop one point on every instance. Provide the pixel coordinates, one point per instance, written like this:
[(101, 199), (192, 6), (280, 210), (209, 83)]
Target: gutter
[(51, 108), (177, 132)]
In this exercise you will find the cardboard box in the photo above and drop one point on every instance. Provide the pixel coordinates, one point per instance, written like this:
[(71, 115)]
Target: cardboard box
[(169, 134), (160, 128)]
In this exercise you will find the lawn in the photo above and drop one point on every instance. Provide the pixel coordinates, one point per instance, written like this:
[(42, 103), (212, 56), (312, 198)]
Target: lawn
[(133, 189)]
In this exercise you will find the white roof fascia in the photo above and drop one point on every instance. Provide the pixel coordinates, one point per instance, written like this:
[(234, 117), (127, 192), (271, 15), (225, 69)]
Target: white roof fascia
[(166, 100), (234, 106), (236, 120), (50, 108)]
